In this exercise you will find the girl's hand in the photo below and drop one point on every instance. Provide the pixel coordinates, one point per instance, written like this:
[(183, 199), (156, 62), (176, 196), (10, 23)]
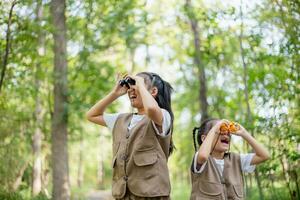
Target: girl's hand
[(217, 126), (241, 132), (139, 82), (118, 90), (261, 154)]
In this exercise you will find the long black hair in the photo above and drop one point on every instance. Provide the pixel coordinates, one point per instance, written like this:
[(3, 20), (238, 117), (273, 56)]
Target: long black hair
[(163, 97)]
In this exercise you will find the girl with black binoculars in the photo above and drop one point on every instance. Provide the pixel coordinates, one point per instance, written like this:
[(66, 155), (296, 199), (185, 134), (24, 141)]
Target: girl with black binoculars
[(142, 141)]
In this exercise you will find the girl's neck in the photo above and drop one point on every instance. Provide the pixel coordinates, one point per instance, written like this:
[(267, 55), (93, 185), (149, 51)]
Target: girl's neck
[(218, 154), (141, 111)]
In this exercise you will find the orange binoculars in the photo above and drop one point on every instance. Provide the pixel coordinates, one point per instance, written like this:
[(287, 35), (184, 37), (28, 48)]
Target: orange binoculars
[(228, 128)]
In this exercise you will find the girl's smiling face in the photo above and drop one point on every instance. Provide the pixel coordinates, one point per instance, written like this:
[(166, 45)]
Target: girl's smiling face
[(135, 98), (222, 143), (142, 81)]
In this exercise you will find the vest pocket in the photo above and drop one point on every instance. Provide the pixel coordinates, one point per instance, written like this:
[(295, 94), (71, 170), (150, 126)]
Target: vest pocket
[(144, 158), (235, 192), (210, 190), (238, 189)]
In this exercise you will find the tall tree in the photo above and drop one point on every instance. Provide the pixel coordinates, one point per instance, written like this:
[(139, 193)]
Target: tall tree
[(246, 91), (37, 137), (197, 60), (61, 185)]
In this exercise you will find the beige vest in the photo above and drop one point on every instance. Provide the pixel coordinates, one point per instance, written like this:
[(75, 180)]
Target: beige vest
[(139, 159), (209, 184)]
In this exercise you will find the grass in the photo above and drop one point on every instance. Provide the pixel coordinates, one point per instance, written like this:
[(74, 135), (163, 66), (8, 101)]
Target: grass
[(280, 193)]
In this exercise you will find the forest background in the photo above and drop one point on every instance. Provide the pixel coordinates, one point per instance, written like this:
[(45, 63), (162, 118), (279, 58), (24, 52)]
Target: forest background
[(232, 59)]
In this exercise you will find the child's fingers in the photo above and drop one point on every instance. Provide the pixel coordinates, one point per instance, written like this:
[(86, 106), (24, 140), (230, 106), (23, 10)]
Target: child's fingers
[(218, 124), (221, 122), (133, 87), (120, 75), (130, 76), (238, 126), (226, 121)]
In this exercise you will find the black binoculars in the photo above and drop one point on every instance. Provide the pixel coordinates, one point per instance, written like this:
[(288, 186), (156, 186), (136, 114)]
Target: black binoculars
[(127, 82)]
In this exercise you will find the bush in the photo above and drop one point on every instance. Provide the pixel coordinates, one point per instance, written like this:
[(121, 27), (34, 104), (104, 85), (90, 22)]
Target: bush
[(4, 195), (20, 195)]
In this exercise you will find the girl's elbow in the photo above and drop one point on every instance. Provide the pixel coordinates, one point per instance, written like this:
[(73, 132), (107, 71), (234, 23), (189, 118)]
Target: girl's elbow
[(267, 156), (202, 157), (151, 110), (264, 157), (88, 116)]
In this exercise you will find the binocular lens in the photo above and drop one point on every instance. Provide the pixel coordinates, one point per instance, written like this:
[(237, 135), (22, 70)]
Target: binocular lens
[(127, 82)]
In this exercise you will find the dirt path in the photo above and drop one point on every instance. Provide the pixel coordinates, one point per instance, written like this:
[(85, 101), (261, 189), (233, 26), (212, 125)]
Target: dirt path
[(99, 195)]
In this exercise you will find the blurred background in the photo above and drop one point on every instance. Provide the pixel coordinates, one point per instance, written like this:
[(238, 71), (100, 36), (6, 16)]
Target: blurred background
[(232, 59)]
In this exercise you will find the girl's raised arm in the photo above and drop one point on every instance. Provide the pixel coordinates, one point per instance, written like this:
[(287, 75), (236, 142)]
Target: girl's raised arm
[(207, 146), (95, 114), (261, 154), (151, 107)]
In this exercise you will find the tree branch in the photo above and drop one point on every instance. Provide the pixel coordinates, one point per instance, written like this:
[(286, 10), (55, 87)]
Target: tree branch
[(7, 45)]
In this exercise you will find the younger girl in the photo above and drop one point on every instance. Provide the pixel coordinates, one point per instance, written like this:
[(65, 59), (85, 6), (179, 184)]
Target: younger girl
[(216, 173), (142, 141)]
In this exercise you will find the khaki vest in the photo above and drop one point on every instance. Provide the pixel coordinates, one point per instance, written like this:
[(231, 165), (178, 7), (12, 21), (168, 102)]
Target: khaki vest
[(209, 184), (139, 159)]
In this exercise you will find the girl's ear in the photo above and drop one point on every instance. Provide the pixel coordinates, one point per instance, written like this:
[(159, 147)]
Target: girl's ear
[(154, 91), (203, 137)]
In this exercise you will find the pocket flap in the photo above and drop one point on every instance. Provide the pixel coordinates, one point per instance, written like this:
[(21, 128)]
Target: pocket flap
[(144, 158), (210, 189), (238, 189)]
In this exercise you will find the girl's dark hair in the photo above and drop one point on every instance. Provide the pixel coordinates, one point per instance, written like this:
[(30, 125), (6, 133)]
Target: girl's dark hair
[(163, 97), (204, 128)]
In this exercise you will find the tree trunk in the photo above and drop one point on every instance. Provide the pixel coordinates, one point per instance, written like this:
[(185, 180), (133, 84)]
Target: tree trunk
[(37, 137), (7, 44), (45, 176), (246, 92), (198, 62), (100, 174), (20, 174), (286, 176), (80, 163), (60, 178), (271, 178), (295, 177)]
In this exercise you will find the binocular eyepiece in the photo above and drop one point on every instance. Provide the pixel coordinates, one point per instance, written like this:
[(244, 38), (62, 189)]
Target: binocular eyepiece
[(127, 82)]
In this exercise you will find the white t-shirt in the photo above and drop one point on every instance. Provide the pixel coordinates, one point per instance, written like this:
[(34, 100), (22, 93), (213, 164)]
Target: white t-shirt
[(111, 118), (245, 163)]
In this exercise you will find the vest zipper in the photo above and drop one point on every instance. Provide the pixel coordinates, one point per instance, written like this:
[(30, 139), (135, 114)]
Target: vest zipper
[(126, 153), (221, 177)]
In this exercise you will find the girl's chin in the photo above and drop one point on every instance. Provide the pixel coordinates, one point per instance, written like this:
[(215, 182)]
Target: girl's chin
[(134, 104), (223, 148)]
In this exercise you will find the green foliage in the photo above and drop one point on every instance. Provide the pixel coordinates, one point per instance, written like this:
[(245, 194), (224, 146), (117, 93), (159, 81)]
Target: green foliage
[(10, 196), (21, 195), (107, 37)]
